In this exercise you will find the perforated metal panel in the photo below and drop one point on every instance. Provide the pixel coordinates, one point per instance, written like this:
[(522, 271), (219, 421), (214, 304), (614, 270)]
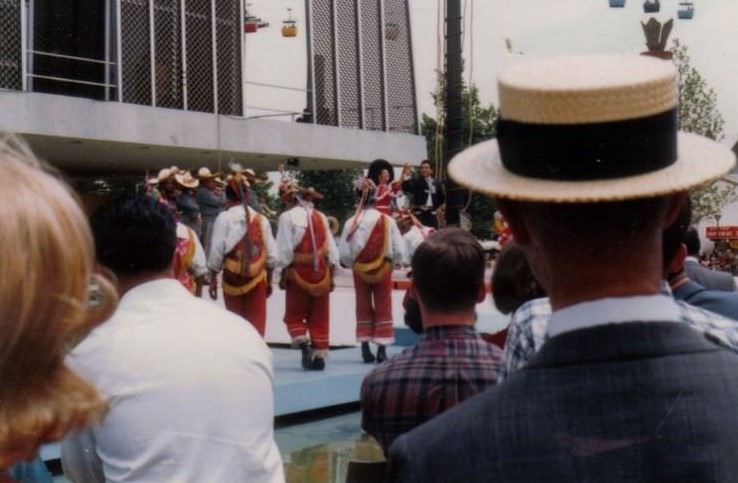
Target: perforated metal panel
[(402, 113), (371, 50), (11, 70), (324, 62), (135, 53), (168, 54), (348, 64), (199, 45), (228, 42)]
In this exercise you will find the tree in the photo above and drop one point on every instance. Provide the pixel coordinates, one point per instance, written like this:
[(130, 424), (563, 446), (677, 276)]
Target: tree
[(337, 186), (698, 113), (480, 124)]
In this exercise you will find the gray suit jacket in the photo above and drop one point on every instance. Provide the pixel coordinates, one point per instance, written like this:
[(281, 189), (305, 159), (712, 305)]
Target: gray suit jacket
[(718, 301), (625, 402), (710, 279)]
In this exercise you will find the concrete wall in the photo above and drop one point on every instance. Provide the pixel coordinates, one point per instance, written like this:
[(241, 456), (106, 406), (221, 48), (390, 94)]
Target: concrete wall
[(86, 135)]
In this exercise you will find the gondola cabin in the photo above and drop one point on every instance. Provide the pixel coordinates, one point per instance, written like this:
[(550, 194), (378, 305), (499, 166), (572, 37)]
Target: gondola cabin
[(686, 10), (651, 6), (289, 25), (617, 3), (251, 25)]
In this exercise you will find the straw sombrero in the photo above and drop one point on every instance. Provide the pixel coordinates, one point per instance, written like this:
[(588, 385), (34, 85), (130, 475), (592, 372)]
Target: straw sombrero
[(204, 173), (186, 180), (589, 128)]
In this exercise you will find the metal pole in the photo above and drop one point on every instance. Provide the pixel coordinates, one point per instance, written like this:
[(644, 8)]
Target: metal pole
[(453, 135), (360, 60), (336, 64), (311, 64), (183, 50), (108, 41), (214, 42), (152, 52), (119, 50), (24, 44), (383, 50)]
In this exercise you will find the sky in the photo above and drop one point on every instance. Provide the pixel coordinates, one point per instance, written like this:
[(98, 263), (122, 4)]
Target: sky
[(534, 28)]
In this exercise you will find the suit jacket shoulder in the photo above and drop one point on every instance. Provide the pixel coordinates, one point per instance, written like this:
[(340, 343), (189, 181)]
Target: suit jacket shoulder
[(587, 411)]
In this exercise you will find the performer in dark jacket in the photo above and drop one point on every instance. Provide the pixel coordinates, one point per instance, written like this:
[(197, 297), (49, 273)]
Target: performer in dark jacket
[(427, 192)]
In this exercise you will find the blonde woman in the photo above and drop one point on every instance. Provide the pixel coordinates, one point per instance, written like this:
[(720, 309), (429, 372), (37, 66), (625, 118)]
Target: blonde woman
[(46, 265)]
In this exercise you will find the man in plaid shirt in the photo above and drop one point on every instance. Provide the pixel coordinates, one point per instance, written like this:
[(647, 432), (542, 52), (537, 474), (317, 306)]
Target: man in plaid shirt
[(450, 362)]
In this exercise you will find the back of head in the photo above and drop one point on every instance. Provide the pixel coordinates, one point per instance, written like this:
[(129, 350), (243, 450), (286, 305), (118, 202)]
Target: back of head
[(448, 270), (134, 235), (513, 282), (46, 265), (692, 240)]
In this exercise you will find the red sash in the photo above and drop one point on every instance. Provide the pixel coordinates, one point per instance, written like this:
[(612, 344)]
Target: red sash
[(311, 274), (242, 273), (371, 265)]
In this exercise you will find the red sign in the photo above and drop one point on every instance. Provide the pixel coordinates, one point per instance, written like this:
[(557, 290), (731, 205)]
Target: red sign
[(722, 232)]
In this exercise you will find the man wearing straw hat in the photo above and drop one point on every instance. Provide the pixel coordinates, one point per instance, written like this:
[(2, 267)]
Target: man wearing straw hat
[(211, 202), (589, 170), (307, 255), (244, 248)]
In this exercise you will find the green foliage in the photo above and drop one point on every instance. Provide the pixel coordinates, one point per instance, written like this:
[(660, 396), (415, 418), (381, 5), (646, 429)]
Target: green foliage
[(265, 193), (708, 200), (337, 187), (480, 126), (698, 113)]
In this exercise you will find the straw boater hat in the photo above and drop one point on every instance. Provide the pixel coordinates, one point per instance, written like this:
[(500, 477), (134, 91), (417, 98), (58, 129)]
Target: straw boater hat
[(586, 129)]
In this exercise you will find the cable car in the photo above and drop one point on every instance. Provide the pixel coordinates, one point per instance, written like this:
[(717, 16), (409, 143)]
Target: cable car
[(686, 10), (251, 25), (289, 26), (617, 3), (651, 6)]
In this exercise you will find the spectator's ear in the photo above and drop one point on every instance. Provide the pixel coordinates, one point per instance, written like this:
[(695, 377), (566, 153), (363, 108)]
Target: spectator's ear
[(676, 264)]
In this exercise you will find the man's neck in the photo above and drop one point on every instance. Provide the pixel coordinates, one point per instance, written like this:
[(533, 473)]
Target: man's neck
[(445, 319), (126, 283), (575, 279)]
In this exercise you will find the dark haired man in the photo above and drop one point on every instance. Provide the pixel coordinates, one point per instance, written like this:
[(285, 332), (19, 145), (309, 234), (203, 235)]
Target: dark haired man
[(451, 361), (189, 384), (710, 279), (428, 193), (588, 169)]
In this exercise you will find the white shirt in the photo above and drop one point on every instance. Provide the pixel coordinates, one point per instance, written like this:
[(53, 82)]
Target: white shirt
[(197, 266), (229, 229), (189, 388), (350, 249), (614, 310), (413, 238), (290, 231)]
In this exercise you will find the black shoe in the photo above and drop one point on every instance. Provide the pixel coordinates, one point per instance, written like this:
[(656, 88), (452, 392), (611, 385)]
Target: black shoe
[(317, 364), (381, 354), (306, 359), (366, 353)]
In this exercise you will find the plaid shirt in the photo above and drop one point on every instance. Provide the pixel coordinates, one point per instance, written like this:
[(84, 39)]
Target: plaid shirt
[(446, 366), (527, 330)]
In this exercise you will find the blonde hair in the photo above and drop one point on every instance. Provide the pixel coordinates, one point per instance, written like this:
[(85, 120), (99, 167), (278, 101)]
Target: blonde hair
[(46, 266)]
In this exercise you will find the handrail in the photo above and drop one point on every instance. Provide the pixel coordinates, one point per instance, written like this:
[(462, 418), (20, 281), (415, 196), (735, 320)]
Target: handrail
[(71, 57), (276, 86), (73, 81)]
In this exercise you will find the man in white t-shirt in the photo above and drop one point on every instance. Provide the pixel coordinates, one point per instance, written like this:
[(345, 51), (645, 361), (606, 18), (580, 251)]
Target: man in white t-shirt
[(189, 385)]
